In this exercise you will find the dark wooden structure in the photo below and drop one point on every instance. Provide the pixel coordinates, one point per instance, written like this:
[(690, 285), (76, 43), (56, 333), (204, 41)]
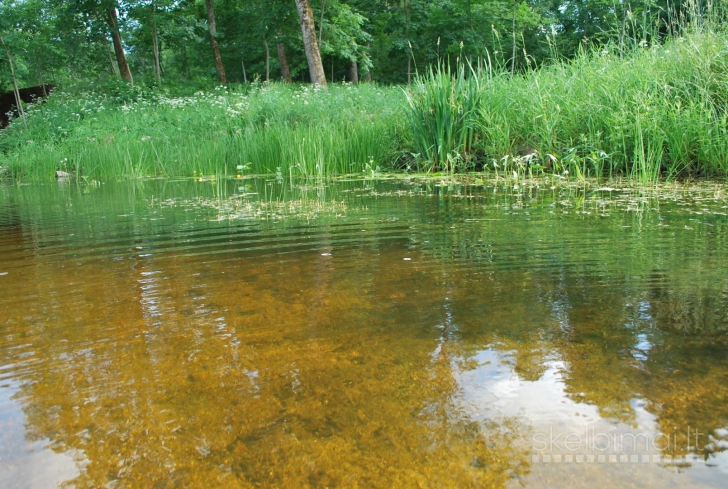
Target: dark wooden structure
[(8, 109)]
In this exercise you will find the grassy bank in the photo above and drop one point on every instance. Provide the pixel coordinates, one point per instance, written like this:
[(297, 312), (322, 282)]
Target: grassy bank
[(659, 111), (254, 129)]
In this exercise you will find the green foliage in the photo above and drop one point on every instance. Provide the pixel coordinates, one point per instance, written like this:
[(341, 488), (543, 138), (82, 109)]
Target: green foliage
[(64, 42), (342, 34)]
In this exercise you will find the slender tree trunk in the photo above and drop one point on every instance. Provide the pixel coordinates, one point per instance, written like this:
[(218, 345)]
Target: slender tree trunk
[(18, 102), (119, 47), (513, 55), (321, 24), (155, 49), (213, 42), (187, 62), (624, 26), (313, 55), (354, 72), (245, 75), (267, 61), (40, 73), (283, 61), (406, 33), (368, 73), (111, 60)]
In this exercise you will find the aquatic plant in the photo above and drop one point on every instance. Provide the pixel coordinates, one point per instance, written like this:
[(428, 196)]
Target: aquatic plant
[(442, 112), (657, 110)]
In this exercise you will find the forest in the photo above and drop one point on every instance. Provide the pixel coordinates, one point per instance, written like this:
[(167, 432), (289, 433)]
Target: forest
[(490, 60), (168, 41)]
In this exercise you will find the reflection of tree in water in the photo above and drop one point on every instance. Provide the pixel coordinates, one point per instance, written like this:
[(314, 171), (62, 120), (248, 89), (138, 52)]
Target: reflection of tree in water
[(229, 387), (661, 345), (700, 309), (620, 341)]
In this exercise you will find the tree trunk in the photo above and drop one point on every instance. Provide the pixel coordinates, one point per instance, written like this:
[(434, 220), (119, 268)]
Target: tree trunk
[(118, 47), (213, 42), (321, 25), (245, 75), (624, 28), (368, 73), (354, 72), (313, 55), (155, 51), (111, 60), (406, 33), (18, 102), (187, 61), (124, 70), (513, 55), (267, 61), (283, 61), (40, 73)]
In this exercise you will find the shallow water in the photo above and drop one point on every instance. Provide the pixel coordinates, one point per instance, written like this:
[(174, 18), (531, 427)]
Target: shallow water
[(362, 334)]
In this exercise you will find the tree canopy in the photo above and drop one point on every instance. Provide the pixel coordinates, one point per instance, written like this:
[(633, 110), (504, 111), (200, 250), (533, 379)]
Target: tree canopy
[(168, 41)]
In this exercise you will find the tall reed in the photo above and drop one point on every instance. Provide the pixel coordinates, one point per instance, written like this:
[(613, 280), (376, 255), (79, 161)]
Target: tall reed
[(658, 111), (442, 112)]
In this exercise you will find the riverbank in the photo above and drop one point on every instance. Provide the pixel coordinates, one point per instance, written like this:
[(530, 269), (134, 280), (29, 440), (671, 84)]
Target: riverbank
[(252, 129), (658, 112)]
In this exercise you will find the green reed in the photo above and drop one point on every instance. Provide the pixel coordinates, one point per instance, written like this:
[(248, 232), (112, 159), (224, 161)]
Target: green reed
[(264, 128), (442, 112), (658, 111)]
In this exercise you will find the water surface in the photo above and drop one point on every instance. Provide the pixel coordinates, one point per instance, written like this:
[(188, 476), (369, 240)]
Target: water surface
[(362, 334)]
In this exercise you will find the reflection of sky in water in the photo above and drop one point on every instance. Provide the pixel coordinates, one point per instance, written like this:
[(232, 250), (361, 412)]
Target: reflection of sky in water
[(25, 463), (644, 319), (493, 389), (642, 348)]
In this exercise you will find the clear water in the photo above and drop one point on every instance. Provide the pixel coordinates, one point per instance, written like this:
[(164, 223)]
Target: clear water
[(362, 334)]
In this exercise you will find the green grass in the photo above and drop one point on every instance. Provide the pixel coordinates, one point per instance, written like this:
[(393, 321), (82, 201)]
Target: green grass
[(659, 111), (276, 128)]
